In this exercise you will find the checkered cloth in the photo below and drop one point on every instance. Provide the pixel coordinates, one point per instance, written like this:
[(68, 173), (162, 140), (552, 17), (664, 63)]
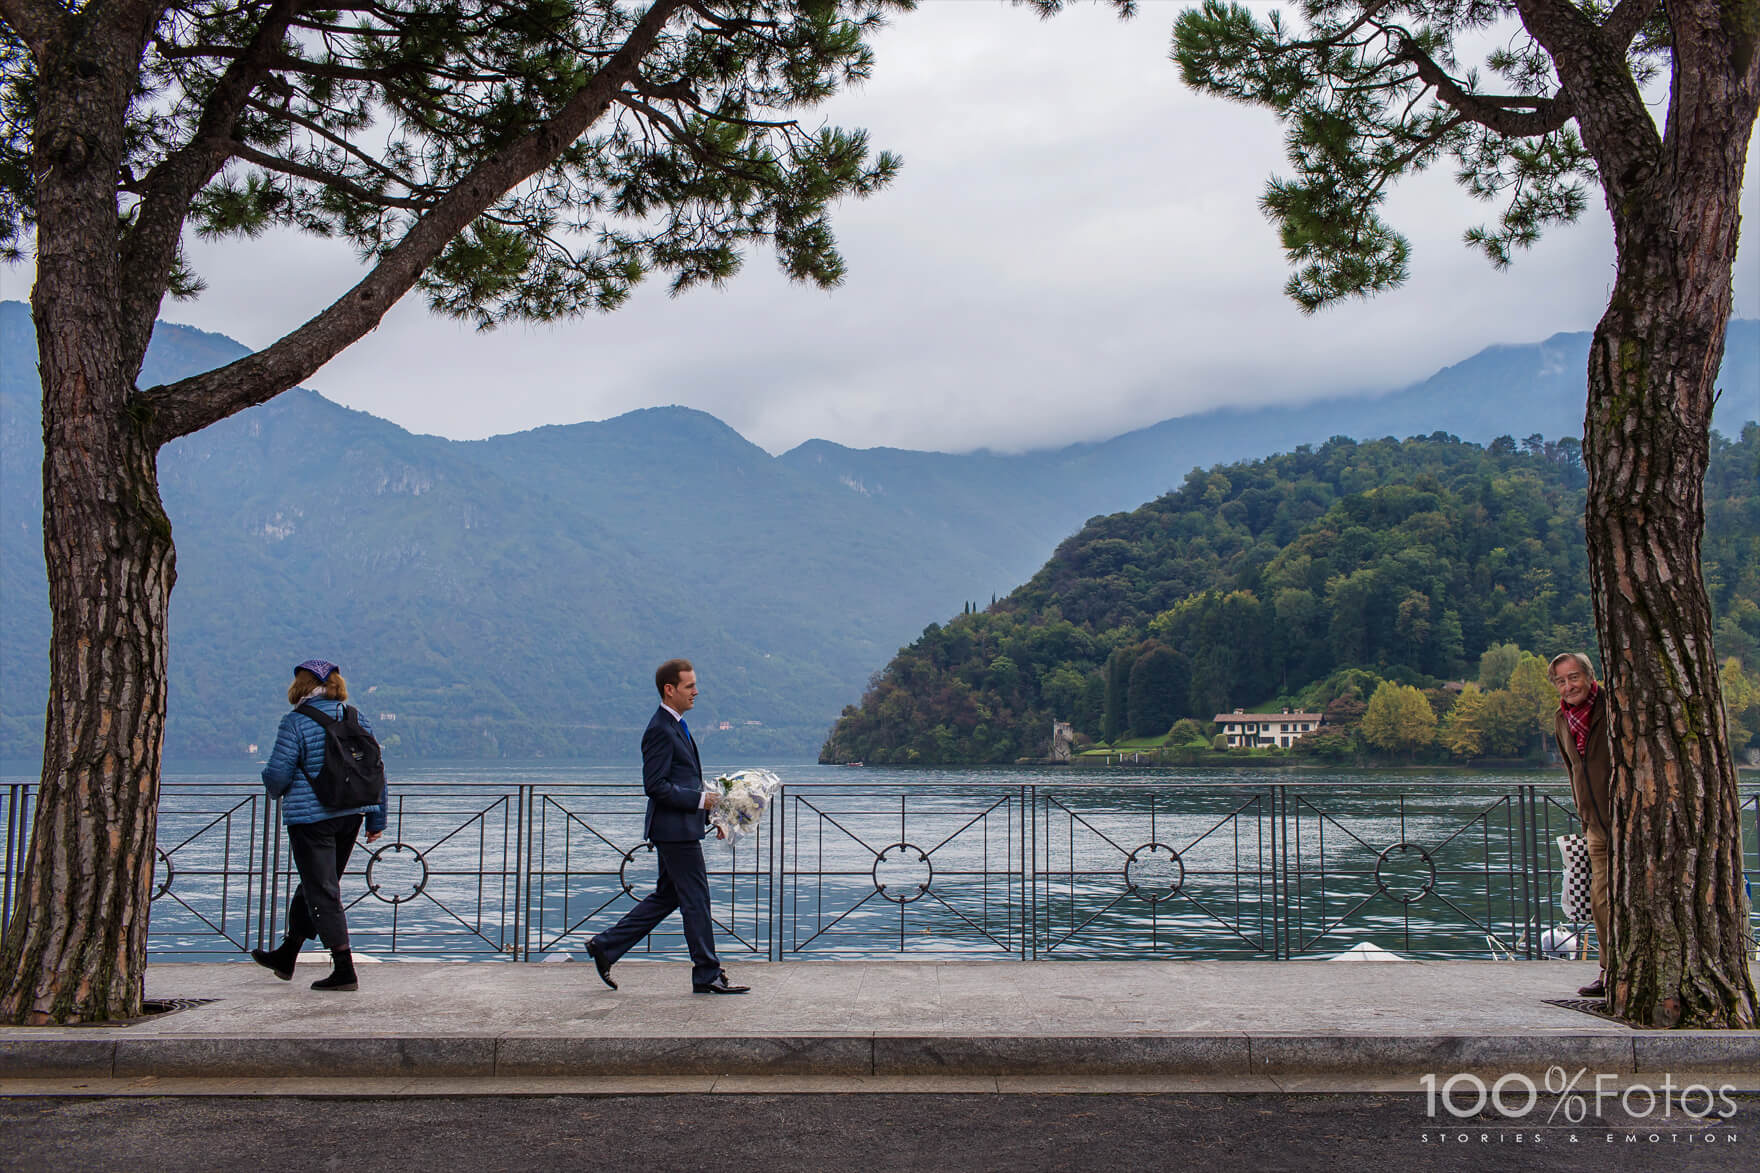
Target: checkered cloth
[(1573, 900)]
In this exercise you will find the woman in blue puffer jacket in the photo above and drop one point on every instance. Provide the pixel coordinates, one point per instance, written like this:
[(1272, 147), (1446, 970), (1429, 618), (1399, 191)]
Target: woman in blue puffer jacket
[(321, 838)]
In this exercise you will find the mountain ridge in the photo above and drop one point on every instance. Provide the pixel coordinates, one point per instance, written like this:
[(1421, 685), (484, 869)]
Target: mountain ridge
[(509, 596)]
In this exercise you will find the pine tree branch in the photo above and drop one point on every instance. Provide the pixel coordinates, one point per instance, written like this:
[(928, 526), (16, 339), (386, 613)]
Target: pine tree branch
[(1396, 167), (343, 30), (35, 21), (1501, 114), (1343, 35), (678, 136), (681, 94), (149, 250), (1628, 19), (319, 130), (306, 67), (327, 179), (1591, 66), (188, 405), (727, 25)]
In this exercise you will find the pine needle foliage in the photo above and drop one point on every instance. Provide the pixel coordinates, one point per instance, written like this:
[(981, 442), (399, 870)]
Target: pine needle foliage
[(360, 121), (1370, 92)]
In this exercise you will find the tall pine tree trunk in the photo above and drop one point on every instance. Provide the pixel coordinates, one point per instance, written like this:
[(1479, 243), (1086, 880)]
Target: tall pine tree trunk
[(83, 902), (75, 951), (1680, 950)]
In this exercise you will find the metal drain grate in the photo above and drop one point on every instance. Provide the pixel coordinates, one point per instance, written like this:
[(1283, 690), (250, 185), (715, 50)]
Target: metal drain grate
[(152, 1008), (155, 1006), (1593, 1006)]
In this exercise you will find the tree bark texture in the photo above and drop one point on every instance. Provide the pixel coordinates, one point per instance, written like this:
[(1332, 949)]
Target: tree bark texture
[(1681, 938), (76, 949)]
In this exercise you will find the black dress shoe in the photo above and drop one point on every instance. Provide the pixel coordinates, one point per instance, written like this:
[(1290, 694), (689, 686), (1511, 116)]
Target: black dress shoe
[(600, 964), (719, 986), (1595, 989)]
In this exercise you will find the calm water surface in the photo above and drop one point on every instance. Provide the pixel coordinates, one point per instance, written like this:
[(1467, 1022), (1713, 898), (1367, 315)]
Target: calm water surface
[(526, 860)]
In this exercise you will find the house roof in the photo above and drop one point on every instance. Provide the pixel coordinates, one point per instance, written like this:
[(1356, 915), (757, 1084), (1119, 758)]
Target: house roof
[(1237, 718)]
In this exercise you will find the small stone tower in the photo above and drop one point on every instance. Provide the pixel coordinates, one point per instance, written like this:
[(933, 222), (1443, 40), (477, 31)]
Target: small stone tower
[(1062, 739)]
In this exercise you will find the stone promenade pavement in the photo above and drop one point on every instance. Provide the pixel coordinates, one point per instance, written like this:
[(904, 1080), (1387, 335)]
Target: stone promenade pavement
[(439, 1028)]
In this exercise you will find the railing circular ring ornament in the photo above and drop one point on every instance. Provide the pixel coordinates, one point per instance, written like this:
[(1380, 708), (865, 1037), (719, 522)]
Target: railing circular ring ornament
[(384, 855), (1145, 862), (170, 873), (1385, 870), (629, 857), (902, 887)]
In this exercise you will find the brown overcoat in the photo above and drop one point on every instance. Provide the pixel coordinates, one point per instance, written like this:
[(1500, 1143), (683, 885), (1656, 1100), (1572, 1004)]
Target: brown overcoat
[(1591, 771)]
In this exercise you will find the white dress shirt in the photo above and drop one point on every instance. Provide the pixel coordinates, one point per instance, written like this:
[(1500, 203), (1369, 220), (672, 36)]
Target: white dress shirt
[(703, 802)]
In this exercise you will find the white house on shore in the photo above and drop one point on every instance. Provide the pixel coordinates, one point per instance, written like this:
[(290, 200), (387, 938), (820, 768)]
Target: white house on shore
[(1248, 730)]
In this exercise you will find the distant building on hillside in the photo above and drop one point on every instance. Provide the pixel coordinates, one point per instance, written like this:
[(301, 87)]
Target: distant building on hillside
[(1063, 736), (1248, 730)]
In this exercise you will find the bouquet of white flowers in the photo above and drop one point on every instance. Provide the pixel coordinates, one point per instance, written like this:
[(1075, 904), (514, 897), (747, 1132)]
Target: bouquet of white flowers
[(744, 795)]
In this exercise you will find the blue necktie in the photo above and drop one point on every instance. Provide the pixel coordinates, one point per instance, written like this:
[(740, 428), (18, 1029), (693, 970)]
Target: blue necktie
[(686, 728)]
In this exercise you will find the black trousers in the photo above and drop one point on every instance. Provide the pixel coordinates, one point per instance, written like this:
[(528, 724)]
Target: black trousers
[(320, 852), (683, 884)]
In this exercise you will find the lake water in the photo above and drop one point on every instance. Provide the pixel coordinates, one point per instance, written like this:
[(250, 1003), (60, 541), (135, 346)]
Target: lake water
[(525, 860)]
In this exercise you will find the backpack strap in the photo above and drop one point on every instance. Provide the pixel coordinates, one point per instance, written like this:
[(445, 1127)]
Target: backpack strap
[(319, 715), (325, 721)]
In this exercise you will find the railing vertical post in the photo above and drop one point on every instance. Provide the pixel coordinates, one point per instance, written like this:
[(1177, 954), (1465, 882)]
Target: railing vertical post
[(16, 796), (1747, 885), (1027, 920), (1267, 869), (1033, 838), (1530, 872), (270, 889), (771, 920), (1282, 908), (523, 870), (780, 872)]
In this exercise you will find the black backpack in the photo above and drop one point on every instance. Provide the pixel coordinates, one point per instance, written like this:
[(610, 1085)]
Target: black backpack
[(353, 773)]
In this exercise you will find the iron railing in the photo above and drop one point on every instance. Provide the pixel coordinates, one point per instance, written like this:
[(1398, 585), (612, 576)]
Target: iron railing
[(1028, 871)]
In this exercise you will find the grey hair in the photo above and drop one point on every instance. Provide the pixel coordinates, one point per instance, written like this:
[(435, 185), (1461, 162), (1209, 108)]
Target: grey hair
[(1582, 659)]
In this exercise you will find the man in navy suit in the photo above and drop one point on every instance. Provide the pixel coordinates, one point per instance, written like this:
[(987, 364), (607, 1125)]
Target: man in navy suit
[(677, 820)]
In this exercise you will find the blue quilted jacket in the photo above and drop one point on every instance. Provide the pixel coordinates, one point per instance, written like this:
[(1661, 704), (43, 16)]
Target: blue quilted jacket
[(298, 755)]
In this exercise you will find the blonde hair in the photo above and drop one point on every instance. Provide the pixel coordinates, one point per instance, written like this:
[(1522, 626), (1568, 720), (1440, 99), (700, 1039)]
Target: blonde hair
[(304, 681)]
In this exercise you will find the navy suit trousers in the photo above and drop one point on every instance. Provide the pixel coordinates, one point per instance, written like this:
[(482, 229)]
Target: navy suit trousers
[(683, 885)]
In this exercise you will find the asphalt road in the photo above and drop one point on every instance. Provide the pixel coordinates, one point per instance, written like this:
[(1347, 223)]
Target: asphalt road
[(731, 1133)]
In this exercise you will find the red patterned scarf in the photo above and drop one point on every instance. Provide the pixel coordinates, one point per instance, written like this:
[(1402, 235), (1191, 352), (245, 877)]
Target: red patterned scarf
[(1577, 717)]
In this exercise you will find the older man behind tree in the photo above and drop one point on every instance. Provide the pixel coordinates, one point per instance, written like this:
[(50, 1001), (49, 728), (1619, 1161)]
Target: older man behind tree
[(1580, 728)]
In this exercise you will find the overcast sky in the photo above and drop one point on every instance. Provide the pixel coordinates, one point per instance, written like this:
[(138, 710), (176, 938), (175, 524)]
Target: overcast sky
[(1073, 249)]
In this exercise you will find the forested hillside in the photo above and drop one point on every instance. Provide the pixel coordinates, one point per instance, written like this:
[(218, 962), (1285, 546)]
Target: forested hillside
[(1269, 582)]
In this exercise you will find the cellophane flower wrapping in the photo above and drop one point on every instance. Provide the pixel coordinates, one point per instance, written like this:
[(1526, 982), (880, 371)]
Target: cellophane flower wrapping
[(744, 795)]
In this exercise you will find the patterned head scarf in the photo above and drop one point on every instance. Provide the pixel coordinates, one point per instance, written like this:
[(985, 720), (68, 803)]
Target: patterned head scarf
[(319, 668)]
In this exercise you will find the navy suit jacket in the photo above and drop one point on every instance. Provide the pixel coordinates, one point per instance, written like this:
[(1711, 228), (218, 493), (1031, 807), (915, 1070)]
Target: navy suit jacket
[(672, 776)]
